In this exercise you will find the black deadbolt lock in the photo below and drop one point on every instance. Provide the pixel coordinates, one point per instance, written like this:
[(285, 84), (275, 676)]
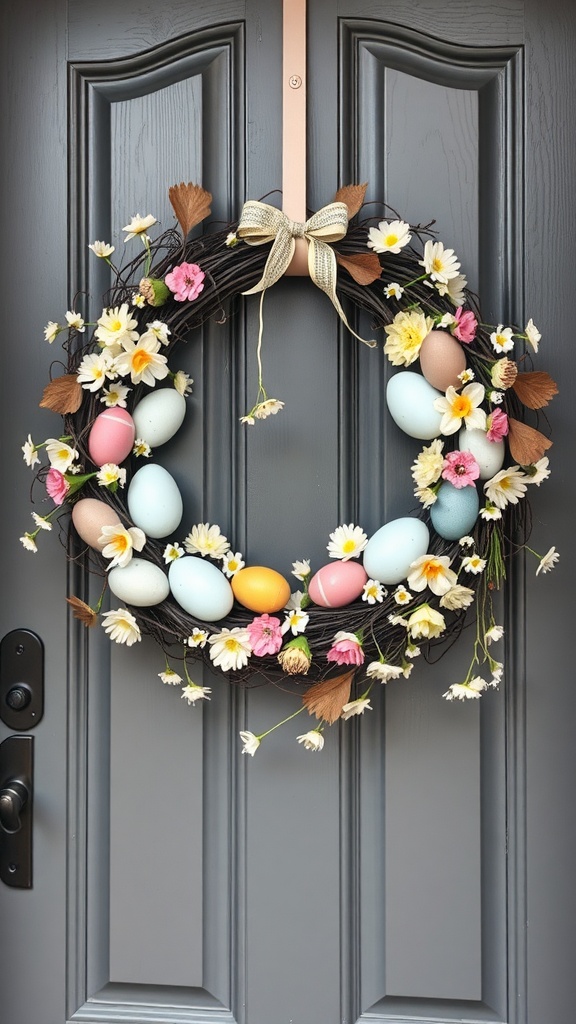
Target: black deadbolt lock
[(21, 679)]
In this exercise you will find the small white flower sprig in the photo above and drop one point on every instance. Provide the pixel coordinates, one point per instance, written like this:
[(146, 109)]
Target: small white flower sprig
[(339, 653)]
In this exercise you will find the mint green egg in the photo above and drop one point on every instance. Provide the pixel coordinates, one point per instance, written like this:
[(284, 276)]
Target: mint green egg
[(455, 511)]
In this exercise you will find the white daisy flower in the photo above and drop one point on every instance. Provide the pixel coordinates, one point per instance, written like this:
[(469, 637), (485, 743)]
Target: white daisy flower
[(301, 570), (141, 448), (138, 300), (41, 522), (456, 598), (232, 562), (347, 542), (115, 395), (548, 561), (295, 621), (466, 542), (142, 361), (101, 249), (60, 454), (109, 474), (312, 740), (122, 627), (172, 552), (393, 290), (192, 693), (532, 335), (29, 543), (507, 486), (183, 383), (467, 376), (170, 677), (138, 226), (490, 512), (94, 370), (502, 339), (204, 539), (373, 592), (51, 331), (75, 321), (454, 289), (115, 326), (537, 472), (440, 263), (427, 468), (30, 452), (230, 649), (382, 671), (466, 691), (493, 634), (401, 595), (474, 564), (389, 236), (250, 741), (356, 707), (198, 637)]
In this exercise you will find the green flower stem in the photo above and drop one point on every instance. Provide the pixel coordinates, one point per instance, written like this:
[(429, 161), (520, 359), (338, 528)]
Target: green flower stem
[(278, 724), (148, 263)]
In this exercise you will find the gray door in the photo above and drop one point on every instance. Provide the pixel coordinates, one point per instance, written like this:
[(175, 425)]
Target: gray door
[(421, 867)]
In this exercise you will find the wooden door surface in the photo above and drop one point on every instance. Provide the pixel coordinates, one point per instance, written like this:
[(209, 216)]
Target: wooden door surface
[(420, 868)]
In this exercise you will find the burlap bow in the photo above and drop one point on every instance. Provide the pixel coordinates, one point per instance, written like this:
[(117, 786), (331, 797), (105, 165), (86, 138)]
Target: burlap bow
[(260, 223)]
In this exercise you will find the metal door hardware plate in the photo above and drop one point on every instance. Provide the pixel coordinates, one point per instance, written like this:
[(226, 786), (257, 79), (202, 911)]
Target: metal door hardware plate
[(16, 772), (21, 679)]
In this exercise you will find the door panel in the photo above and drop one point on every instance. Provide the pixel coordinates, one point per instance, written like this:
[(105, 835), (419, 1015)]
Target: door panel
[(392, 877)]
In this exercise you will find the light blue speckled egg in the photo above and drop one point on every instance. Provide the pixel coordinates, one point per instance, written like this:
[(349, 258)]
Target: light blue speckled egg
[(455, 511), (410, 400), (154, 501), (391, 550), (159, 416), (200, 588)]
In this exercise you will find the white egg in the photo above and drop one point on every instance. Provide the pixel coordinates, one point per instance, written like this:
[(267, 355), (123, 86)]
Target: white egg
[(139, 583), (200, 588), (410, 401), (488, 454), (391, 550), (154, 501), (159, 416)]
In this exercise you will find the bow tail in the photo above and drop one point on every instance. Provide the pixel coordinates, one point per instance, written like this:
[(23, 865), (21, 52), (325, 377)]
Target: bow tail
[(278, 260), (323, 271)]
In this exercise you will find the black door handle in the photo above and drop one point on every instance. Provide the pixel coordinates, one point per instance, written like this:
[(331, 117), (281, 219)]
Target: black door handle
[(13, 798), (16, 807)]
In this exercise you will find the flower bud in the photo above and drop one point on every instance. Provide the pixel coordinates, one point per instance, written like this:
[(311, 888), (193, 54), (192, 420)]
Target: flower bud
[(504, 373), (296, 657), (154, 291)]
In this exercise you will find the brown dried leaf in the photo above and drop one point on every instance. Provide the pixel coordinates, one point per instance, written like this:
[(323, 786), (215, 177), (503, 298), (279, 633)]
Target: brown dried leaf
[(363, 267), (535, 389), (327, 698), (191, 204), (82, 611), (527, 444), (63, 395), (352, 196)]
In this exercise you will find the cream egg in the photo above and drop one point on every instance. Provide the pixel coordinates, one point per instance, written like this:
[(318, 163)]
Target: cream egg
[(140, 583), (489, 455), (159, 416)]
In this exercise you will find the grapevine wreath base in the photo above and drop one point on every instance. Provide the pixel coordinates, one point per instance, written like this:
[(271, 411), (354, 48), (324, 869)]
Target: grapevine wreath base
[(478, 385)]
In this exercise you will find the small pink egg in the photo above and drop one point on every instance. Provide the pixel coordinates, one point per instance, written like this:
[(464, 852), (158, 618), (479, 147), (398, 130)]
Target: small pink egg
[(111, 437), (89, 515), (442, 358), (337, 584)]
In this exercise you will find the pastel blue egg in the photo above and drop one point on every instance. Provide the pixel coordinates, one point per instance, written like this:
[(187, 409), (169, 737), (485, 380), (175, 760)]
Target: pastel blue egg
[(154, 501), (410, 400), (391, 550), (140, 583), (455, 511), (200, 588), (159, 416)]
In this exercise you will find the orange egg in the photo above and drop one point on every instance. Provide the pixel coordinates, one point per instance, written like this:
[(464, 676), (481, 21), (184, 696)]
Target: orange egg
[(260, 589), (89, 515), (442, 358)]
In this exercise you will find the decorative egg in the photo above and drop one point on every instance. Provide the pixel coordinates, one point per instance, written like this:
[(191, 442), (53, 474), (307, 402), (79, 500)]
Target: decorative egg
[(488, 454), (410, 401), (337, 584), (260, 589), (159, 416), (89, 515), (200, 588), (455, 510), (392, 549), (442, 358), (139, 583), (154, 501), (111, 436)]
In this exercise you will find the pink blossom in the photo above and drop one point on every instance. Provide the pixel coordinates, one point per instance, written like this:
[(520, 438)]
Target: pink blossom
[(497, 423), (57, 485), (346, 650), (265, 635), (466, 324), (186, 281), (461, 469)]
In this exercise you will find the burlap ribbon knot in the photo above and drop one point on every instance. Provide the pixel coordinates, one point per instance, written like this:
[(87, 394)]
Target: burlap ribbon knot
[(260, 223)]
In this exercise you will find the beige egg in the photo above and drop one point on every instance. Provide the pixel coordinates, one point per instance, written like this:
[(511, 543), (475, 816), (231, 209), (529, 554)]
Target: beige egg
[(89, 515), (442, 358)]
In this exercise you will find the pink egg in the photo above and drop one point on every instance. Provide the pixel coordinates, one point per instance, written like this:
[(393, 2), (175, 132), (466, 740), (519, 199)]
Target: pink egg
[(111, 437), (442, 358), (337, 584), (89, 515)]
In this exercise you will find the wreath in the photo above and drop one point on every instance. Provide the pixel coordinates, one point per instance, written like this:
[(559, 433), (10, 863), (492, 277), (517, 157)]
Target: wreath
[(465, 388)]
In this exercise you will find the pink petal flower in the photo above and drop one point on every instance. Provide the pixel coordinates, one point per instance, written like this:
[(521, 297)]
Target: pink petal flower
[(346, 652), (265, 635), (186, 281), (460, 469), (497, 423), (466, 324), (57, 485)]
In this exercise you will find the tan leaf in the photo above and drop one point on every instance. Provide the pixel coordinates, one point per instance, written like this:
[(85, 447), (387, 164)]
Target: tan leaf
[(535, 389), (191, 204), (352, 196), (527, 444), (82, 611), (327, 698), (63, 394), (364, 267)]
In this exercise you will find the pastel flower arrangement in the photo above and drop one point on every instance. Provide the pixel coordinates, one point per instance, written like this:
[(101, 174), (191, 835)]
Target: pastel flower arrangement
[(378, 636)]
